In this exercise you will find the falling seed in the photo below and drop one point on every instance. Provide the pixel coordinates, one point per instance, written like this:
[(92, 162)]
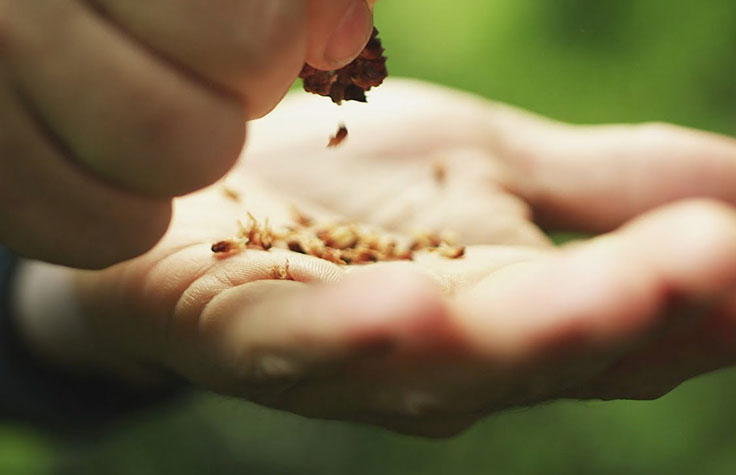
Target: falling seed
[(231, 193), (339, 137), (439, 172)]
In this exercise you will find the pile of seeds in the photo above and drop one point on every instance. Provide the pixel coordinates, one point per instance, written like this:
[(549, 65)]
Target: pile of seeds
[(344, 244)]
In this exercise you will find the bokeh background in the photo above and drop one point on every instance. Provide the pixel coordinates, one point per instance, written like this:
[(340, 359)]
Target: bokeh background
[(584, 61)]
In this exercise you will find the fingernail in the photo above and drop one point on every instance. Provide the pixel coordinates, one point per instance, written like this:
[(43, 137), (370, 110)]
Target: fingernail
[(351, 34)]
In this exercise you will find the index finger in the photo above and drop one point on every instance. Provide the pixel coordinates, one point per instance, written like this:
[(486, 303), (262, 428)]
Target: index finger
[(595, 178)]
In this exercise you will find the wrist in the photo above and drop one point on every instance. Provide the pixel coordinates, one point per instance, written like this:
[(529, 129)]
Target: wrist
[(51, 326), (47, 317), (39, 382)]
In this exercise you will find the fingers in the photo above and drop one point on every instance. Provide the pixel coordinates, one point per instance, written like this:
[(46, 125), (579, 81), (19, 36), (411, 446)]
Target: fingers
[(607, 295), (702, 337), (115, 107), (52, 210), (252, 48), (596, 178), (282, 333), (697, 346), (338, 31), (180, 78)]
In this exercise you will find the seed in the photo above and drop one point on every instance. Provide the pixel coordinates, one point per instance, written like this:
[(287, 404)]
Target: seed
[(282, 272), (339, 237), (300, 218), (230, 193), (222, 247), (341, 244), (296, 246), (339, 137), (451, 252), (439, 172)]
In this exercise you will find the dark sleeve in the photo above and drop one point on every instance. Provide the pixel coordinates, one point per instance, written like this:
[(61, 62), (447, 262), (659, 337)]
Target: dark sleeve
[(31, 393)]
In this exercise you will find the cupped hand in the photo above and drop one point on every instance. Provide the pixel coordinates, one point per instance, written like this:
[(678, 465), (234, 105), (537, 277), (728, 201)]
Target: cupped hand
[(430, 346), (110, 109)]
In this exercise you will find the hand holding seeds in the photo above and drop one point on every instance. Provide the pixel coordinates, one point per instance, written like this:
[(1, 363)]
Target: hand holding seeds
[(109, 109), (426, 343)]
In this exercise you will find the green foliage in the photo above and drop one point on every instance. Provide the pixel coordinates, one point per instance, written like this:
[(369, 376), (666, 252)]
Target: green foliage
[(576, 60), (22, 452), (584, 61)]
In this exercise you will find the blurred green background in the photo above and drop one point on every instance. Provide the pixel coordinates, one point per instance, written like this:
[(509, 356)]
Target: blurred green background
[(584, 61)]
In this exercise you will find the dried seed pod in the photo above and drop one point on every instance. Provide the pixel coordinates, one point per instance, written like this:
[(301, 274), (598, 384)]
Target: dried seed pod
[(351, 82)]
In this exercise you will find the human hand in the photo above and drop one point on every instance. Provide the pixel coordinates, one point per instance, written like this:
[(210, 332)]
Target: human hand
[(430, 346), (110, 109)]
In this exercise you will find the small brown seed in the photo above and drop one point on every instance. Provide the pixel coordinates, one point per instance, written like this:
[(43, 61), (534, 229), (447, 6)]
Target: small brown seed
[(222, 247), (339, 137), (439, 172), (231, 193), (300, 218)]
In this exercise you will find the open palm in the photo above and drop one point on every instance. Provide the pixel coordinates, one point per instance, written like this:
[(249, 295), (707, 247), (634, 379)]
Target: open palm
[(432, 345)]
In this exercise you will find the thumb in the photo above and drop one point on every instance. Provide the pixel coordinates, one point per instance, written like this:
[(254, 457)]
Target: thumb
[(338, 31), (603, 295)]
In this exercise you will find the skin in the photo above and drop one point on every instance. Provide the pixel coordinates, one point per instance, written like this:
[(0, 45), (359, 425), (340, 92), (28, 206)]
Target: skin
[(426, 347), (110, 110)]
